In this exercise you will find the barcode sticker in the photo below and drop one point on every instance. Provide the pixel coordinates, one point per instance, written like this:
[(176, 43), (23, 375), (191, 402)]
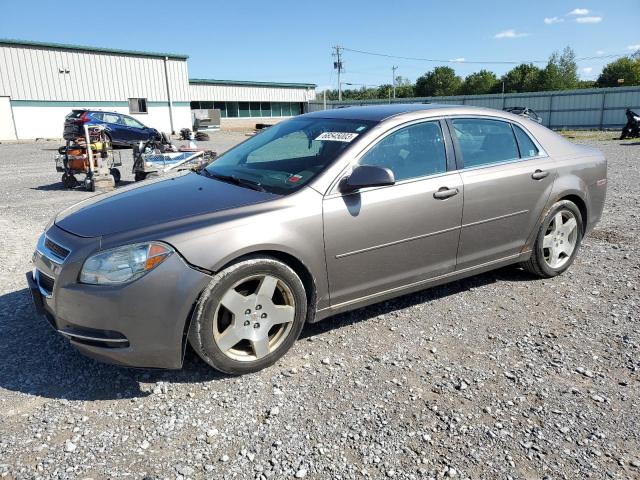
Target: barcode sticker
[(337, 136)]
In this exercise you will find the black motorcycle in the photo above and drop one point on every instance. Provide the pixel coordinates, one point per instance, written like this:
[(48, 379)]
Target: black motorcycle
[(632, 128)]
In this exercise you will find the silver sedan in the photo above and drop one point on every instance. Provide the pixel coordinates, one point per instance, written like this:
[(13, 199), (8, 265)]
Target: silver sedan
[(320, 214)]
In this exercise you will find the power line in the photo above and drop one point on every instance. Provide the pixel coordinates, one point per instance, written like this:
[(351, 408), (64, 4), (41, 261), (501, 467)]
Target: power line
[(497, 62)]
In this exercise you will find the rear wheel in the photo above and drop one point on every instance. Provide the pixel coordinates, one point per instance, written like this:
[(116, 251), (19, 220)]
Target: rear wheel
[(69, 181), (139, 176), (249, 316), (557, 242)]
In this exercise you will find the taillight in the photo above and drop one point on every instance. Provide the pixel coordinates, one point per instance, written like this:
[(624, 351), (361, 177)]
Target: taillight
[(84, 118)]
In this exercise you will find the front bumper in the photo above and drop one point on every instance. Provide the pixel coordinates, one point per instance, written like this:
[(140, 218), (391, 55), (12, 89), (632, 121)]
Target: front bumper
[(139, 324)]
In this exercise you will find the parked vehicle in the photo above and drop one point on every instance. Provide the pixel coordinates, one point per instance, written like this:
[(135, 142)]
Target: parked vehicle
[(525, 112), (317, 215), (123, 130), (632, 128)]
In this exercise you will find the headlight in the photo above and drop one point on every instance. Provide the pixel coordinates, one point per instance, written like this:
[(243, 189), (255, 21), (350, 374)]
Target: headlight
[(123, 264)]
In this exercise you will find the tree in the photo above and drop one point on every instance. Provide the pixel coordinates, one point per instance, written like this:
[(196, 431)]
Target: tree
[(438, 82), (478, 83), (404, 87), (561, 72), (627, 68), (522, 78)]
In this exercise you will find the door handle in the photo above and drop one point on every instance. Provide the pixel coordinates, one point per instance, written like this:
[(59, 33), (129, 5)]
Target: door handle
[(444, 193), (539, 174)]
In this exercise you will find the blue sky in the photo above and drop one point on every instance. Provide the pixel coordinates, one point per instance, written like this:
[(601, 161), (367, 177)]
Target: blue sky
[(291, 40)]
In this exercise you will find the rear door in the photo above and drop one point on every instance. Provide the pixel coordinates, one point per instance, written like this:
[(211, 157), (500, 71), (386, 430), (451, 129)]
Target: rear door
[(507, 181), (384, 238), (114, 125)]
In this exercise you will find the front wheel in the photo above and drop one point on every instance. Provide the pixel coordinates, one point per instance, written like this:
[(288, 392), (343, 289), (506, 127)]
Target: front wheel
[(249, 316), (558, 240)]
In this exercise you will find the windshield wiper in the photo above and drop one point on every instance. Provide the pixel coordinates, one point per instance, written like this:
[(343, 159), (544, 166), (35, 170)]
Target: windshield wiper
[(242, 182)]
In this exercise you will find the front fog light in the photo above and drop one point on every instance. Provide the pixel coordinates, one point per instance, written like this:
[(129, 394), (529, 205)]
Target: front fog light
[(123, 264)]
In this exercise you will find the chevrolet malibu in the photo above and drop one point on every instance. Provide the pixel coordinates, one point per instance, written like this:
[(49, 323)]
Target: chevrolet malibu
[(320, 214)]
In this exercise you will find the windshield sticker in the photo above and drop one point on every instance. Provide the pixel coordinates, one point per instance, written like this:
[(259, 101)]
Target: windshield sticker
[(295, 178), (337, 136)]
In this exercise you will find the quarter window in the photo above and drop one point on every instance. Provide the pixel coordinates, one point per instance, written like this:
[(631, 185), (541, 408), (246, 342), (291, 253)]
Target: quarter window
[(525, 144), (484, 142), (411, 152)]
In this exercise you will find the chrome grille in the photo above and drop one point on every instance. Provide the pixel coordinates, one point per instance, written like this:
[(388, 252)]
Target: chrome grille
[(58, 250)]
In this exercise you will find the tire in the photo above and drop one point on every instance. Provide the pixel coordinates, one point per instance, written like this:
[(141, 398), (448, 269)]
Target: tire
[(551, 239), (69, 181), (140, 176), (202, 137), (224, 339), (115, 173)]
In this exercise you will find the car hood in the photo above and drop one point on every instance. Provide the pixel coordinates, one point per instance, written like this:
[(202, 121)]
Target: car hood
[(152, 203)]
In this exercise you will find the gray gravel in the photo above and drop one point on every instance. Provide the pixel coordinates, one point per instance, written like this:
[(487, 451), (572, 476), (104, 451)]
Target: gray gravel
[(497, 376)]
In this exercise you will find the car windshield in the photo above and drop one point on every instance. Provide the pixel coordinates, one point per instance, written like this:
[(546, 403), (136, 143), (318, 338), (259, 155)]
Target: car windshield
[(286, 156)]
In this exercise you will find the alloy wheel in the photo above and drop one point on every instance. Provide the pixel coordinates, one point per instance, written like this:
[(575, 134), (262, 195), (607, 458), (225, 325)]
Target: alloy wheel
[(254, 317), (560, 239)]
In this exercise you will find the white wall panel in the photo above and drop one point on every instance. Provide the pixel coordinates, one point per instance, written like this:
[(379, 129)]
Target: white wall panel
[(7, 130), (50, 119), (241, 93)]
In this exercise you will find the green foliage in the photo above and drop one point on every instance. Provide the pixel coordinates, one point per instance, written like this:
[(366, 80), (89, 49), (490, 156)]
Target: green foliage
[(438, 82), (561, 73), (627, 68), (522, 78), (478, 83)]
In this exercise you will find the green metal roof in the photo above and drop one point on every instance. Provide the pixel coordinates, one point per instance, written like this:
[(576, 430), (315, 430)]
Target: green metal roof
[(84, 48), (247, 83)]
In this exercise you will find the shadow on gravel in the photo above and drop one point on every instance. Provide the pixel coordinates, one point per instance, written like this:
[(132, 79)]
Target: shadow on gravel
[(52, 187), (37, 361), (509, 274)]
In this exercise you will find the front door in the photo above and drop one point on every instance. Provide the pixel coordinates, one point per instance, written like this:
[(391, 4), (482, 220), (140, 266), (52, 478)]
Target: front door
[(507, 181), (384, 238)]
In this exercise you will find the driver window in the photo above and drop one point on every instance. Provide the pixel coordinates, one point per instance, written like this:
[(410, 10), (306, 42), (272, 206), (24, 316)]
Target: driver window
[(411, 152), (130, 122)]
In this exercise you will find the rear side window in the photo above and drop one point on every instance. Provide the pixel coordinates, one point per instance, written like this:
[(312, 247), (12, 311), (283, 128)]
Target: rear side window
[(525, 144), (484, 142), (97, 116), (110, 118), (411, 152)]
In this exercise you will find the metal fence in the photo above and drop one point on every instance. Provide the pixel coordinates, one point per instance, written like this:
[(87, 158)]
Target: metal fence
[(593, 108)]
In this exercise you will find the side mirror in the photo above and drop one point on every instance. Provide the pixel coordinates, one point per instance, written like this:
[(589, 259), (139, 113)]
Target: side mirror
[(367, 176)]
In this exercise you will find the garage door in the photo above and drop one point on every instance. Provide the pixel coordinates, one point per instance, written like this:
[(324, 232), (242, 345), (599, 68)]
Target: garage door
[(7, 129)]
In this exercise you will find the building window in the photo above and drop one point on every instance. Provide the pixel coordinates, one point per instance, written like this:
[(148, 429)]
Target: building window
[(250, 109), (138, 105), (222, 107), (243, 108), (232, 109)]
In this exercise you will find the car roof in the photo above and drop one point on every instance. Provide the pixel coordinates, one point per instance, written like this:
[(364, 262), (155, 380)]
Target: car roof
[(377, 112)]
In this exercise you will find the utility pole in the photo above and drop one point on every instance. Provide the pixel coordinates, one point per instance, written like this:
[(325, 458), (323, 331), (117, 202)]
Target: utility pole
[(337, 65), (393, 69)]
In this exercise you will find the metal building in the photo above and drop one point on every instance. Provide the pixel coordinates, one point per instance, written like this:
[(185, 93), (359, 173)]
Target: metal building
[(242, 104), (40, 83)]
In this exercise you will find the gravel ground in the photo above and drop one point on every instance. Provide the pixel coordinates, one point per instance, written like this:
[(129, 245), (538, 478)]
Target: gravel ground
[(497, 376)]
